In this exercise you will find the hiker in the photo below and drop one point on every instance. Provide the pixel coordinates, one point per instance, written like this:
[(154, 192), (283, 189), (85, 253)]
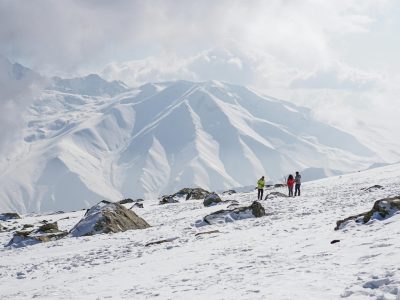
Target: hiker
[(290, 184), (297, 179), (260, 187)]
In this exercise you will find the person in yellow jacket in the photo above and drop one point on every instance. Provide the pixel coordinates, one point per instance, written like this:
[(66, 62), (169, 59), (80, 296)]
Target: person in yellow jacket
[(260, 187)]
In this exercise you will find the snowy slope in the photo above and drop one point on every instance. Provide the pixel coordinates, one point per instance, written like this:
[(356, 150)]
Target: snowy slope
[(284, 255), (158, 138)]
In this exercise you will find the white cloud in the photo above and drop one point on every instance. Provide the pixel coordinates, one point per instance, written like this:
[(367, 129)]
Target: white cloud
[(323, 53), (18, 87)]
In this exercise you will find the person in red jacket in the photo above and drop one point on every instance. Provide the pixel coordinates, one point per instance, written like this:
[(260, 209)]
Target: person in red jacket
[(290, 184)]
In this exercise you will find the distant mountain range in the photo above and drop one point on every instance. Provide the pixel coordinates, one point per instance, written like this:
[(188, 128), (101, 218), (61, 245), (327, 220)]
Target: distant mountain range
[(88, 139)]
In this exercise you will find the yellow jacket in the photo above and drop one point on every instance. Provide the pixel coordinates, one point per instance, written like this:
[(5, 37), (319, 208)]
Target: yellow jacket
[(260, 184)]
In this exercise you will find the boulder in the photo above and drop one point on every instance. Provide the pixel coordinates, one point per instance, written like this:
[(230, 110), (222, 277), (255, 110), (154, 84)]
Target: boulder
[(191, 193), (255, 210), (211, 199), (185, 194), (45, 233), (382, 209), (9, 216), (107, 217), (275, 195)]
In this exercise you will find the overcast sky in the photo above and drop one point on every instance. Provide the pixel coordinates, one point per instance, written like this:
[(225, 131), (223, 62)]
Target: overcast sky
[(339, 57)]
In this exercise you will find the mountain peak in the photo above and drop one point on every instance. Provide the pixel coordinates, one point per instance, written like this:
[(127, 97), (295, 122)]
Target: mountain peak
[(90, 85)]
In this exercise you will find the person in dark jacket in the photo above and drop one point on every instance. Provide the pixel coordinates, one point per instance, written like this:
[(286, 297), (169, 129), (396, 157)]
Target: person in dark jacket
[(260, 187), (297, 179), (290, 184)]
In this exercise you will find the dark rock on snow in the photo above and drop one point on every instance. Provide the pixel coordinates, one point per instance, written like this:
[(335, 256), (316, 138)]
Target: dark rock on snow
[(373, 188), (278, 185), (9, 216), (167, 199), (229, 215), (207, 232), (275, 195), (382, 209), (187, 194), (125, 201), (161, 241), (229, 192), (107, 217), (137, 204), (45, 233), (211, 199), (335, 241)]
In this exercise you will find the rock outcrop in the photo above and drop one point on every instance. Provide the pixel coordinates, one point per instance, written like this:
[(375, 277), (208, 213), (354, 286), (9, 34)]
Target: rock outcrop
[(255, 210), (211, 199), (9, 216), (108, 217), (382, 209), (185, 194), (44, 233)]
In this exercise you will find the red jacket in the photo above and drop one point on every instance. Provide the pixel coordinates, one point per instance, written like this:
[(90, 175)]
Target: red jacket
[(290, 182)]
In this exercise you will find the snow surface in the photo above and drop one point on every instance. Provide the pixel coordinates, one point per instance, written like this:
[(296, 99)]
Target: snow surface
[(284, 255), (79, 149)]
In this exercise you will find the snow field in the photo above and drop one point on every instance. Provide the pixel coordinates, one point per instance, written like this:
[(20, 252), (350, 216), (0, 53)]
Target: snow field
[(284, 255)]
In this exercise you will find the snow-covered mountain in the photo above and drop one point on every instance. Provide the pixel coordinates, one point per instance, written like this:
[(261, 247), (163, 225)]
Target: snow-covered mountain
[(81, 146), (92, 85)]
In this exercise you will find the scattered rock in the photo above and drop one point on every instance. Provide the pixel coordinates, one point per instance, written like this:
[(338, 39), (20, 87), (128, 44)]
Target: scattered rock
[(49, 227), (9, 216), (194, 193), (211, 199), (187, 194), (229, 215), (45, 233), (167, 199), (161, 241), (107, 217), (382, 209), (373, 188), (335, 241), (125, 201), (273, 195), (229, 192), (27, 226), (207, 232), (139, 200)]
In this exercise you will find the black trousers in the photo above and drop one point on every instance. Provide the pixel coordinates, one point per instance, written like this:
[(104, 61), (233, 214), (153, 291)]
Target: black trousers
[(260, 194), (297, 189), (290, 191)]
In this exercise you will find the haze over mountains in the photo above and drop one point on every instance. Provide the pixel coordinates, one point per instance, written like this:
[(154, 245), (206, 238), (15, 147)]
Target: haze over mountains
[(88, 139)]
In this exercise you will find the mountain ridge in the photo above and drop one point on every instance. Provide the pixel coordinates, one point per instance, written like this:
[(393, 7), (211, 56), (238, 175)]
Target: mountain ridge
[(160, 137)]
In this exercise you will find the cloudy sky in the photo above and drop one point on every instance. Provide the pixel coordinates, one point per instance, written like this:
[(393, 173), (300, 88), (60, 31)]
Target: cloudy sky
[(338, 57)]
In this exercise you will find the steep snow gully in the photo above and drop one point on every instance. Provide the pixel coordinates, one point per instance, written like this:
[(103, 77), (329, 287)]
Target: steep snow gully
[(88, 139)]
